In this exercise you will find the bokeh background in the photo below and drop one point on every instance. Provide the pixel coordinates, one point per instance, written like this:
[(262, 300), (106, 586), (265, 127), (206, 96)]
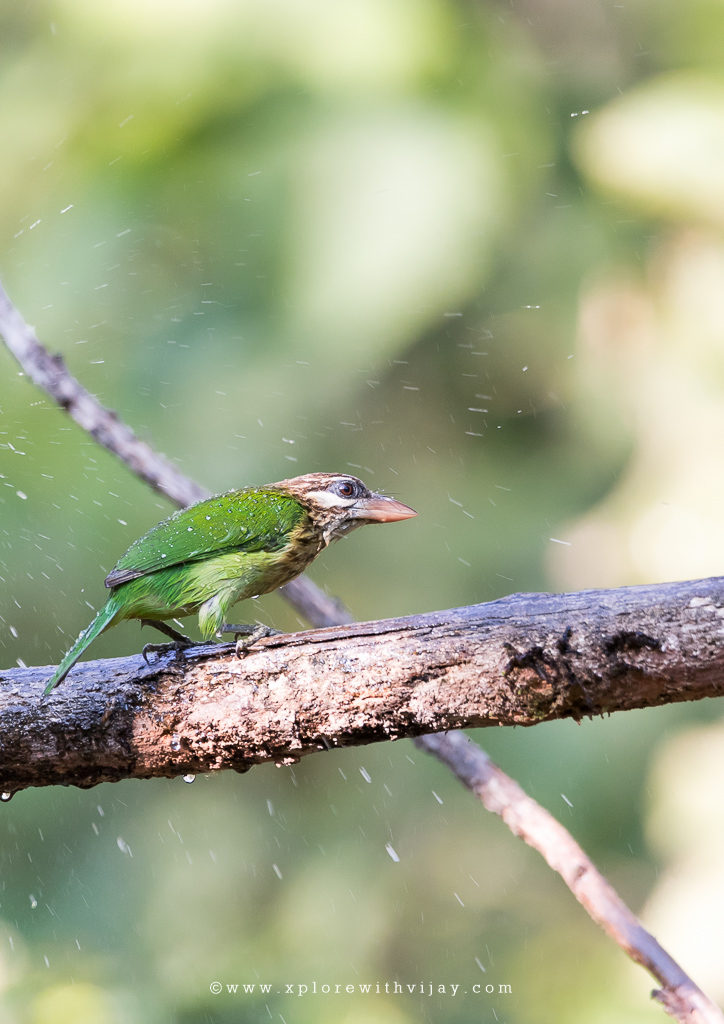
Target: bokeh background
[(474, 252)]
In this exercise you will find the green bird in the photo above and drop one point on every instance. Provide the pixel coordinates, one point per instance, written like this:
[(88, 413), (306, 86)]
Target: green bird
[(224, 549)]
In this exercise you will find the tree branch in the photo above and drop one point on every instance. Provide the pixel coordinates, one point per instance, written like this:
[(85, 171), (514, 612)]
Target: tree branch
[(107, 722), (50, 374), (525, 659), (681, 997)]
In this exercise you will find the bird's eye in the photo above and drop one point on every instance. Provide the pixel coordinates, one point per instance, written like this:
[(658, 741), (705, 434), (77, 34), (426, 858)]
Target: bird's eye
[(346, 489)]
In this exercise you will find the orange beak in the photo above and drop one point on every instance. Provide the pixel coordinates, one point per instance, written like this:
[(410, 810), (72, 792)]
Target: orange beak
[(378, 508)]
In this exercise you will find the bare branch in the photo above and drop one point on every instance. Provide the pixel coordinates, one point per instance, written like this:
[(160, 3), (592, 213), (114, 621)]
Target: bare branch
[(52, 376), (681, 997), (50, 373), (317, 607), (525, 659)]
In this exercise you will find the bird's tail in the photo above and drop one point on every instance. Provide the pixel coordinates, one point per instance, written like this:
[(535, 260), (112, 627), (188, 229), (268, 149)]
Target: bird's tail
[(104, 618)]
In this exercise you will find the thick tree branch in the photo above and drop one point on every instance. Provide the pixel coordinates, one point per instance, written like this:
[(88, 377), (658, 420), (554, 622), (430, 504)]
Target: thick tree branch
[(89, 730), (525, 659)]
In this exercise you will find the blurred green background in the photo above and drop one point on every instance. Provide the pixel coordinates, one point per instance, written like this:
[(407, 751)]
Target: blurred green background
[(473, 252)]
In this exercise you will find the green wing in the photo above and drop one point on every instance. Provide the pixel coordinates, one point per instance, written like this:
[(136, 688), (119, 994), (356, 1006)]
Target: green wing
[(253, 519)]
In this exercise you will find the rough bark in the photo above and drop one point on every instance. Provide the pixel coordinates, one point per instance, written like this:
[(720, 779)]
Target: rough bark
[(524, 659)]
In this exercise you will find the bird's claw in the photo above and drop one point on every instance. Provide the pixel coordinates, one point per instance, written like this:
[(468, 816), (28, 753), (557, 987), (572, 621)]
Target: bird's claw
[(177, 646), (179, 640), (247, 636)]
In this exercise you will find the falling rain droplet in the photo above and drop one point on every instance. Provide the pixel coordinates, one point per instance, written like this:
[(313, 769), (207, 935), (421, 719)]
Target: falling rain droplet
[(393, 853), (33, 901), (189, 778)]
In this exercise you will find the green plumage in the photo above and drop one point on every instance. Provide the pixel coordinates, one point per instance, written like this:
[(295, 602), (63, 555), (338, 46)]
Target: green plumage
[(204, 559), (224, 549), (250, 520)]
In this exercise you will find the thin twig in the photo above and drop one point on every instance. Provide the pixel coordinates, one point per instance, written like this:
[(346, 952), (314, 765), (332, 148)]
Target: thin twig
[(500, 794), (682, 999), (51, 374)]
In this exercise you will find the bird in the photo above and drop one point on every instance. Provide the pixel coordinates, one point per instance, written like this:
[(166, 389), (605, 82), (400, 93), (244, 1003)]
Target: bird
[(229, 547)]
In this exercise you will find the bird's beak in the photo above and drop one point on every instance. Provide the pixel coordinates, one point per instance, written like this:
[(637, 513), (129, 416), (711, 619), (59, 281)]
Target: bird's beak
[(378, 508)]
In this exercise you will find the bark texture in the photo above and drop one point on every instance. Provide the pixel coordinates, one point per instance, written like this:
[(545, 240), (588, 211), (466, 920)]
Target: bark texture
[(524, 659)]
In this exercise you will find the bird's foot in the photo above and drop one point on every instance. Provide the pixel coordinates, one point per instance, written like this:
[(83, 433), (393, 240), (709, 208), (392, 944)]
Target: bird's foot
[(247, 636), (178, 646), (179, 641)]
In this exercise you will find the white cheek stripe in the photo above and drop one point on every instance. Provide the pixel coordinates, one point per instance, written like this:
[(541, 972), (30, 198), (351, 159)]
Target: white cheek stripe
[(328, 500)]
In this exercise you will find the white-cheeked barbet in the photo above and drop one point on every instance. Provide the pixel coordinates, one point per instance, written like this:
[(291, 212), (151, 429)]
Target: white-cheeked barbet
[(224, 549)]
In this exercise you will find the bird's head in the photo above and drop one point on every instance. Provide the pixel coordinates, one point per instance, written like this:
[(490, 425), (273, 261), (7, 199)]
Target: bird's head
[(338, 503)]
